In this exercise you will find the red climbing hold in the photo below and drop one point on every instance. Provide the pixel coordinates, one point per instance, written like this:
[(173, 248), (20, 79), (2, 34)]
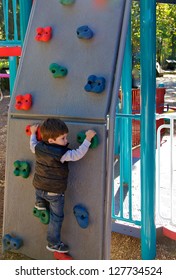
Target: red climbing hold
[(61, 256), (38, 134), (44, 34), (23, 102)]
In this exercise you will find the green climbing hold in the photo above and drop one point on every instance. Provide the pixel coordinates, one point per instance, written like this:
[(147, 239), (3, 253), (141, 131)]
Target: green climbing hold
[(81, 136), (36, 212), (43, 215), (58, 71), (67, 2), (22, 168)]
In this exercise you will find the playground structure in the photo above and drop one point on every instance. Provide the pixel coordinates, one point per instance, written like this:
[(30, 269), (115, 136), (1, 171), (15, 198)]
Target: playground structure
[(12, 45), (98, 190), (82, 99)]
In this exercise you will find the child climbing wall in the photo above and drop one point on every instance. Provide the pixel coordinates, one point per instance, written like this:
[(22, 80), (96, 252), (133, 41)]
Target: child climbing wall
[(67, 71)]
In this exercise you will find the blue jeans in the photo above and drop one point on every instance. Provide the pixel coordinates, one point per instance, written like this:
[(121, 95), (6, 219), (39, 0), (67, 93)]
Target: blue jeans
[(55, 204)]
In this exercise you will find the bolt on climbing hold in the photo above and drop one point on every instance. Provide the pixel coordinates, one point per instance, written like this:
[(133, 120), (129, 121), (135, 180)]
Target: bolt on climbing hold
[(43, 215), (66, 2), (43, 34), (23, 102), (84, 32), (58, 71), (11, 243), (22, 168), (95, 84), (82, 216), (38, 134), (81, 136)]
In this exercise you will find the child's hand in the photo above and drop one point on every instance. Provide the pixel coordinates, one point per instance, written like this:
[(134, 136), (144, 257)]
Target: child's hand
[(90, 134), (33, 128)]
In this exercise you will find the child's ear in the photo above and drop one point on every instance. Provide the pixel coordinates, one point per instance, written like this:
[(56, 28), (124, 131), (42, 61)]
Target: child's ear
[(50, 140)]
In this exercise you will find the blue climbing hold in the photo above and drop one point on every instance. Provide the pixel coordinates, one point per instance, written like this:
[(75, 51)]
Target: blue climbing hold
[(82, 216), (16, 243), (6, 242), (95, 84), (11, 243), (84, 32)]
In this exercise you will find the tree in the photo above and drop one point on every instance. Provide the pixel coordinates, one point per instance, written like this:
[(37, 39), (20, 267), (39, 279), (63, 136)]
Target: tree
[(165, 32)]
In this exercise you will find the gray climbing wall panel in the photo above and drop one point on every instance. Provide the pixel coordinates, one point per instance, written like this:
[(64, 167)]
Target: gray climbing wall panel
[(65, 98), (85, 187)]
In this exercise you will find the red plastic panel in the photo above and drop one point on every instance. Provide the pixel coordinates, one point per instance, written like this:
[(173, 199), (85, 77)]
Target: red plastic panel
[(10, 51), (171, 233)]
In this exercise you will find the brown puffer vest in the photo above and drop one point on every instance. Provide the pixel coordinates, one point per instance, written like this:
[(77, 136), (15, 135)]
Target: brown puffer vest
[(50, 174)]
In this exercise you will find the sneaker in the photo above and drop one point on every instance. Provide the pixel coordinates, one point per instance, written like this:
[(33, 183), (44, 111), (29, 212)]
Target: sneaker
[(61, 248), (40, 205)]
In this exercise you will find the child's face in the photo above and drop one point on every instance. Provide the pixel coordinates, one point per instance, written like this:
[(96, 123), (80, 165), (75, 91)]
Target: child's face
[(60, 140)]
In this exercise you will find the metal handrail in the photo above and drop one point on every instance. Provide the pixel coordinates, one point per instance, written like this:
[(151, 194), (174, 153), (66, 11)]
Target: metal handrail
[(172, 118)]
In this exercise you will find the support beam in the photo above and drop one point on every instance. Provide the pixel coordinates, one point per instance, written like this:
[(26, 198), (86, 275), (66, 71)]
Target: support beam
[(13, 71), (10, 51), (2, 76), (126, 124), (148, 127), (164, 1), (25, 9)]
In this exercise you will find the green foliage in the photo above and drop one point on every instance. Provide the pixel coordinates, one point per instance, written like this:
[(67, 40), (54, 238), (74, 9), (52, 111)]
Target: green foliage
[(4, 63), (165, 29), (165, 32)]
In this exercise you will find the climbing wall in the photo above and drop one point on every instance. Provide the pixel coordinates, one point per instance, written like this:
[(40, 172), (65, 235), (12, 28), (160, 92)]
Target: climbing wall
[(67, 71)]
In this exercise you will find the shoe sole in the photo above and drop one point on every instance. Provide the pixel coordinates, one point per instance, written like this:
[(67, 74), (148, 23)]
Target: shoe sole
[(54, 250), (39, 208)]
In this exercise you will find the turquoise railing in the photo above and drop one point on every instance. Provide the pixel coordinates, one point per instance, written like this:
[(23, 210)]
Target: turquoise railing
[(15, 15), (11, 19)]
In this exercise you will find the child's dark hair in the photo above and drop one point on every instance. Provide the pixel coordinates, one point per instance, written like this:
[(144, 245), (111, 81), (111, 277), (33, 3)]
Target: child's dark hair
[(52, 128)]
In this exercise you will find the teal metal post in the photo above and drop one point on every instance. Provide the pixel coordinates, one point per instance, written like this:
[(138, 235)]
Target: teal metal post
[(117, 133), (25, 9), (148, 131), (126, 127), (13, 70), (5, 6)]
